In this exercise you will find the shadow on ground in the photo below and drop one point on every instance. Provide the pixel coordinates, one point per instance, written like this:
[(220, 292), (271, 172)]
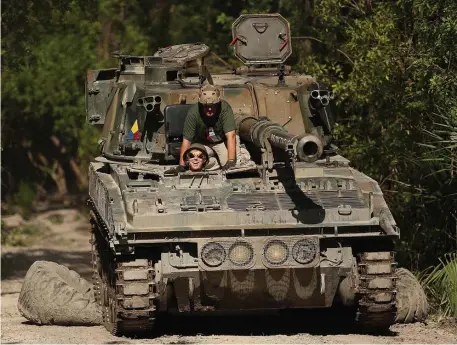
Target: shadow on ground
[(315, 322), (16, 264)]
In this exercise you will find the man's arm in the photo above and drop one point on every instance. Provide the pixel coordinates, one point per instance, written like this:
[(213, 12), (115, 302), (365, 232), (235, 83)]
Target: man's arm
[(231, 145), (229, 129), (184, 146)]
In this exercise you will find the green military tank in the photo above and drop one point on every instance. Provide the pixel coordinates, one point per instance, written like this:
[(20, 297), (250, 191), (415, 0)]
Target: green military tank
[(292, 225)]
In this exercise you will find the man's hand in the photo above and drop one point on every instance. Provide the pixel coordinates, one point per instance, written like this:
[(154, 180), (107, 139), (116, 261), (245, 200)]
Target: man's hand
[(175, 171), (230, 164)]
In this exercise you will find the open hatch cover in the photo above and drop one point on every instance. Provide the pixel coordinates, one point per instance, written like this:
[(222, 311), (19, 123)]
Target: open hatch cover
[(182, 53), (261, 39)]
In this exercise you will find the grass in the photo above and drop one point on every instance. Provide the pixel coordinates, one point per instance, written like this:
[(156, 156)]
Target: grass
[(23, 235), (23, 199), (440, 284), (55, 219)]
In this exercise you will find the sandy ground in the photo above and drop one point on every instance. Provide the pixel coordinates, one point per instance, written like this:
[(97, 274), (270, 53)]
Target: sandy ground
[(67, 244)]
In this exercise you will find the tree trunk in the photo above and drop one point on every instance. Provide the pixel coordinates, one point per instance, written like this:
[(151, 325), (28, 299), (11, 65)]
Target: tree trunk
[(58, 175), (81, 178)]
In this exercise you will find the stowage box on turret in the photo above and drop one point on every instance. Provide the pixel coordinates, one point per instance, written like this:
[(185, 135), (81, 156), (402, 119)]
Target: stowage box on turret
[(291, 225)]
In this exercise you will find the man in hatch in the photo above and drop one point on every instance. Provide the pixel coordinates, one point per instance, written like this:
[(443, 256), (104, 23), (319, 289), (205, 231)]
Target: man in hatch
[(196, 157), (211, 123)]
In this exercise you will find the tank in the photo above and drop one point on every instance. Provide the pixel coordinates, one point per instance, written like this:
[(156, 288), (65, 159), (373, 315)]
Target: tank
[(294, 226)]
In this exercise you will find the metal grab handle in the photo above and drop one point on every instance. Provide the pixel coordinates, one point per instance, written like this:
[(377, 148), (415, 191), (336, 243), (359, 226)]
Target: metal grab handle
[(234, 40), (240, 38), (260, 27), (283, 45)]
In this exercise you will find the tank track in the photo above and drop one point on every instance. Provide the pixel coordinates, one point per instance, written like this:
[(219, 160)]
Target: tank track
[(96, 278), (96, 264), (131, 299), (376, 296), (124, 289)]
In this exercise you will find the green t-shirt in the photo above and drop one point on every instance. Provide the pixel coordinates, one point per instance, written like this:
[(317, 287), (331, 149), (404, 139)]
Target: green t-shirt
[(210, 130)]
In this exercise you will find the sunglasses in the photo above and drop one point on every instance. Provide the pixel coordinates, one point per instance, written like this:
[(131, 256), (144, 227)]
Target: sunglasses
[(198, 155)]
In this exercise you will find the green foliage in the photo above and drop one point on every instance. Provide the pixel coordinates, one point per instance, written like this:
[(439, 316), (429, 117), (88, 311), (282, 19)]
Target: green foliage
[(24, 198), (43, 88), (56, 219), (440, 284), (23, 235)]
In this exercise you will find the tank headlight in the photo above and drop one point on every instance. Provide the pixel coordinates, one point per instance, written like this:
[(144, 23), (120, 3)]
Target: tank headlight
[(276, 252), (241, 253), (213, 254), (304, 251)]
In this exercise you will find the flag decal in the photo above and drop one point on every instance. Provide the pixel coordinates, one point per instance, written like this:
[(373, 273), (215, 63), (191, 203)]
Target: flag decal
[(134, 132)]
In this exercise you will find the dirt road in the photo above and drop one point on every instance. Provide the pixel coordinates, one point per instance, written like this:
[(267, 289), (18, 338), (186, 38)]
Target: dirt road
[(67, 243)]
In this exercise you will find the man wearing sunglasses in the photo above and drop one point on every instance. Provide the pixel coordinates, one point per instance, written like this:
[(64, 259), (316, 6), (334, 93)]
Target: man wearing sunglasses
[(211, 123), (196, 157)]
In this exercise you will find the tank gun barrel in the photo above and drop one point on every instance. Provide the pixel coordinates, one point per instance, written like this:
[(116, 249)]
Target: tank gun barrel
[(306, 147)]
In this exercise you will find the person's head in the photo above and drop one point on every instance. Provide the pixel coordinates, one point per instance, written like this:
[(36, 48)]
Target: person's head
[(196, 157), (209, 99)]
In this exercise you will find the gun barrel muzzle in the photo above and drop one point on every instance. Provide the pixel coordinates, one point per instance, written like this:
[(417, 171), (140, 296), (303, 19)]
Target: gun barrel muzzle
[(307, 147)]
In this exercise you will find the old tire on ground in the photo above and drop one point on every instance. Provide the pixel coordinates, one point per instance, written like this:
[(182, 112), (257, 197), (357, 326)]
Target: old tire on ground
[(411, 299), (53, 294)]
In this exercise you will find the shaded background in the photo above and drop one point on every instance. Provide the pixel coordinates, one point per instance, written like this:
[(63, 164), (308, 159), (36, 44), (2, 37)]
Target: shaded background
[(393, 65)]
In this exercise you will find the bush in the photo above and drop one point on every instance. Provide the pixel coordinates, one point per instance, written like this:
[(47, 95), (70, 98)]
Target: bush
[(56, 219), (440, 284), (23, 235), (24, 198)]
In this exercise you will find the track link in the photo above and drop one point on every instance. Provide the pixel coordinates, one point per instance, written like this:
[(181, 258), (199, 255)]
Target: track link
[(376, 296)]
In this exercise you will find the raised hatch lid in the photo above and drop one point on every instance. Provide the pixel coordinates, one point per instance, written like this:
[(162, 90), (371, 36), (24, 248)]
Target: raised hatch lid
[(261, 38), (182, 53)]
